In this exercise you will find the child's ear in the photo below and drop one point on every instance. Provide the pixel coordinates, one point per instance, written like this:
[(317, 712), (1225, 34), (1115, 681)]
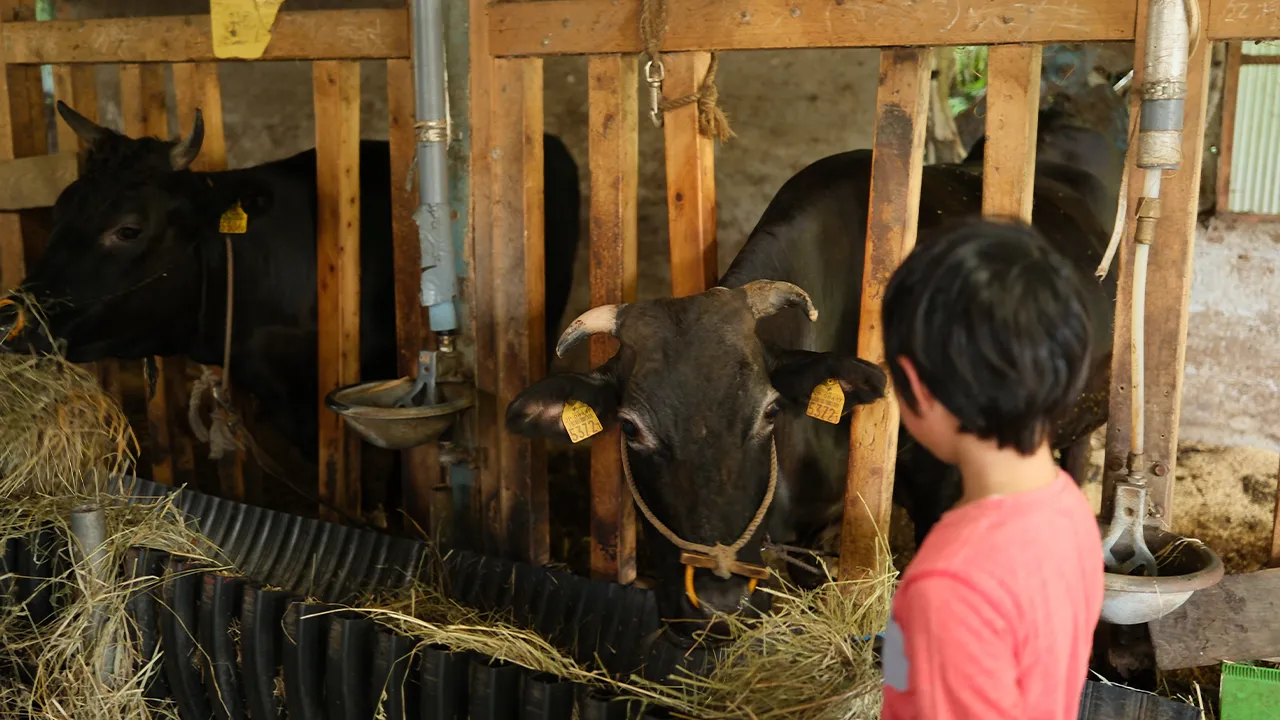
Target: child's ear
[(538, 410), (918, 390), (795, 374)]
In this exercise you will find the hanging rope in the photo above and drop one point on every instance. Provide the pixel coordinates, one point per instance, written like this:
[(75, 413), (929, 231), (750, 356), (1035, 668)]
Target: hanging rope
[(711, 119)]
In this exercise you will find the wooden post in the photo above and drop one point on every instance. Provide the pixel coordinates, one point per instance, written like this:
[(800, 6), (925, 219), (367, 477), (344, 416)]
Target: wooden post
[(1168, 295), (902, 107), (421, 465), (691, 180), (1274, 560), (14, 124), (519, 297), (615, 176), (1226, 144), (486, 504), (1013, 112), (337, 109), (195, 86)]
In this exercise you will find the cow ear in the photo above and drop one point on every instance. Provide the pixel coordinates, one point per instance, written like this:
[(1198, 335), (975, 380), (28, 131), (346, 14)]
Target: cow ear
[(538, 411), (796, 373)]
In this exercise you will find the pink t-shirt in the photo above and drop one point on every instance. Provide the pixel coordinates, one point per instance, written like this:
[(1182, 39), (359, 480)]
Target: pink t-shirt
[(995, 616)]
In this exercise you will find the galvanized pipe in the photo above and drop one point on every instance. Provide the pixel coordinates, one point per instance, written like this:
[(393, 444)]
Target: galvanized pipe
[(439, 286)]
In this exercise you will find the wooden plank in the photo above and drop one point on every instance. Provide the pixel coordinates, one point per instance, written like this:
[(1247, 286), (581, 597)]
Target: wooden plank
[(1013, 110), (35, 182), (1233, 620), (902, 108), (142, 105), (13, 261), (196, 86), (519, 298), (318, 34), (421, 465), (691, 180), (337, 109), (613, 142), (1168, 298), (588, 26), (1226, 144), (486, 502), (1242, 19), (1274, 560)]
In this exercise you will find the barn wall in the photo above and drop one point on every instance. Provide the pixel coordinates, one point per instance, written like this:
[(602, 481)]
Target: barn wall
[(1231, 394)]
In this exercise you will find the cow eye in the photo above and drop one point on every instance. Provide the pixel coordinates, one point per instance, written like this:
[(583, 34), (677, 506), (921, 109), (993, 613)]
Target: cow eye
[(771, 412), (629, 429), (126, 233)]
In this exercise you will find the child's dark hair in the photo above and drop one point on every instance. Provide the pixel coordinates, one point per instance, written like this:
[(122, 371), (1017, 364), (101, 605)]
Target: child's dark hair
[(997, 326)]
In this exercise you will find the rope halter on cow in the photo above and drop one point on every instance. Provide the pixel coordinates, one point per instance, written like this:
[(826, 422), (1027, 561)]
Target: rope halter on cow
[(721, 560), (764, 298)]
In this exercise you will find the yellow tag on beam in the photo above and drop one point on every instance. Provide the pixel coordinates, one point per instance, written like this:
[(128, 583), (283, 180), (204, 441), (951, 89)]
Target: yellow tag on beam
[(580, 421), (242, 28), (235, 221), (826, 402)]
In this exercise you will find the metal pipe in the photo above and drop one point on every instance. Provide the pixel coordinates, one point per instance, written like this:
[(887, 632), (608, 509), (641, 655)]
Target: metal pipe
[(439, 288), (1164, 85), (89, 528)]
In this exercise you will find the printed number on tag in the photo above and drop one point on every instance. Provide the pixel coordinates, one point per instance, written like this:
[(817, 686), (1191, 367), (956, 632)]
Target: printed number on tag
[(580, 421), (826, 402), (234, 221)]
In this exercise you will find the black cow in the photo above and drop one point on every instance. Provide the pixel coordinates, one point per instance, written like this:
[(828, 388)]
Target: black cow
[(135, 266), (700, 385)]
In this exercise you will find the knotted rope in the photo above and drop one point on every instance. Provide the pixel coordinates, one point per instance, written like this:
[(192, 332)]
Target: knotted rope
[(725, 557), (221, 433), (711, 119)]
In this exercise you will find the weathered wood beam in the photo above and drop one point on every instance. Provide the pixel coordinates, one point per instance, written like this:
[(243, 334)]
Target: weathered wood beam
[(519, 298), (902, 107), (337, 108), (691, 180), (574, 27), (1013, 111), (1168, 299), (1241, 20), (1233, 620), (306, 35), (612, 82)]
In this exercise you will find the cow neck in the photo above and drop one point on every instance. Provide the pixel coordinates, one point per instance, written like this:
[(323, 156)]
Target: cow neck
[(206, 350)]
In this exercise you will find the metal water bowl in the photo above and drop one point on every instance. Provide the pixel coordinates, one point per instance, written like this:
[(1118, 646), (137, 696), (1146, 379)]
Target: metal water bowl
[(1189, 565), (369, 409)]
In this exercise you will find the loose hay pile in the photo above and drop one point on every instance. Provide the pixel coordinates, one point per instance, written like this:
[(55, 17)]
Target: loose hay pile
[(61, 439), (810, 659)]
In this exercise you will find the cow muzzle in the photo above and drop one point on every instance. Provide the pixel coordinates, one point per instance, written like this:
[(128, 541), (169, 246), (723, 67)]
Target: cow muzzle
[(721, 560)]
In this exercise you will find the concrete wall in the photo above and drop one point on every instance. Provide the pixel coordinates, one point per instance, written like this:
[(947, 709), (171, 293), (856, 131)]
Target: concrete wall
[(1231, 394)]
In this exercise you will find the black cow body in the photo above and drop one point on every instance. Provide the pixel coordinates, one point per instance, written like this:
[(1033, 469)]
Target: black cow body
[(136, 266), (810, 236)]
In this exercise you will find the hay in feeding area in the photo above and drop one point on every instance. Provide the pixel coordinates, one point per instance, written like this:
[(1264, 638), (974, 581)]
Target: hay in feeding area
[(812, 658), (61, 439), (59, 432)]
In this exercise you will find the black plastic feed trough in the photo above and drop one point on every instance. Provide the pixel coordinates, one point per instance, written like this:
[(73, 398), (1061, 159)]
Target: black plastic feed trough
[(274, 642)]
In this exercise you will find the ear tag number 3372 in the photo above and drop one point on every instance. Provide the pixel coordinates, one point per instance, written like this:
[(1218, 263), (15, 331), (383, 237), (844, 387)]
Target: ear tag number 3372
[(580, 421), (826, 402)]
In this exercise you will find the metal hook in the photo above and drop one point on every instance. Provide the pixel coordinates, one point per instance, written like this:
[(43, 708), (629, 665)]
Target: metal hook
[(654, 79)]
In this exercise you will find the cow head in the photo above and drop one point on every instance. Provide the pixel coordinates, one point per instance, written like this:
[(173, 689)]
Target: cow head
[(121, 273), (697, 396)]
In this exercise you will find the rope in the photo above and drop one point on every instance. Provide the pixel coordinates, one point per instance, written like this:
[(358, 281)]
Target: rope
[(712, 121), (723, 555)]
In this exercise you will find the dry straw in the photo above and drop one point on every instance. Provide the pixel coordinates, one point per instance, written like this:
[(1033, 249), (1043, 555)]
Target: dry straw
[(61, 439)]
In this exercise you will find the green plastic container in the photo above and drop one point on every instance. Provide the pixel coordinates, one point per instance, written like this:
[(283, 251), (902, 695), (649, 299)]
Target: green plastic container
[(1249, 692)]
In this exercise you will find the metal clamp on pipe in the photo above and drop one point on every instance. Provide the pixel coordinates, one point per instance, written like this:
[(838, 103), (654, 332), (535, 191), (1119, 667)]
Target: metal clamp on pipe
[(1164, 86), (1147, 217)]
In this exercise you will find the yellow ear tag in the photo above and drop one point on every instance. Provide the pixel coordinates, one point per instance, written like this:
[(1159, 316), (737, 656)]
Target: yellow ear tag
[(580, 421), (234, 221), (826, 402)]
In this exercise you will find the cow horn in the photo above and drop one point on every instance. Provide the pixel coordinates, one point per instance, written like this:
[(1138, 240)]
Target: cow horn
[(84, 128), (603, 319), (767, 297), (185, 151)]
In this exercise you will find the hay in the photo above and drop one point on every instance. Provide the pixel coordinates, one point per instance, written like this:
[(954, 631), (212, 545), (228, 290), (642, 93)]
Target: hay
[(59, 432), (810, 659), (81, 663)]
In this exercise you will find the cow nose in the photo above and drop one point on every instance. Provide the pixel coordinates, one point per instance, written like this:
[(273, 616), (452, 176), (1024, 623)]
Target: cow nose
[(716, 595)]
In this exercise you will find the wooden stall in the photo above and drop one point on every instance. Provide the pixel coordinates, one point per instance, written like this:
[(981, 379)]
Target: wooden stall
[(507, 40), (147, 50)]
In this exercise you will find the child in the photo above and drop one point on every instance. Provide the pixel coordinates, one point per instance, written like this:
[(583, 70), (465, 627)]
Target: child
[(987, 337)]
